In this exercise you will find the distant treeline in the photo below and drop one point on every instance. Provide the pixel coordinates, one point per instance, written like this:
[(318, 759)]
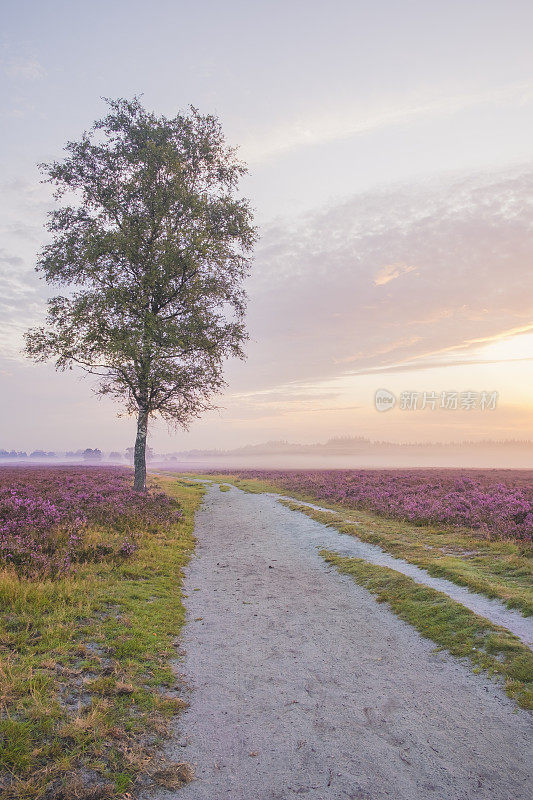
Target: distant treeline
[(341, 445), (352, 445), (89, 454)]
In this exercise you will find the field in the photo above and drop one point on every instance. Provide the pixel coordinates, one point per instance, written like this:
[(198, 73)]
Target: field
[(91, 603), (90, 608), (426, 523), (495, 503)]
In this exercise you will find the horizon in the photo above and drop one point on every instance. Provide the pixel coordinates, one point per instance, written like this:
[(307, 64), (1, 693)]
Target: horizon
[(341, 439), (336, 453)]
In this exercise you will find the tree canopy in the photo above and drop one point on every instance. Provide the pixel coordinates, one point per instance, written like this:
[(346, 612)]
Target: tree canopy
[(154, 245)]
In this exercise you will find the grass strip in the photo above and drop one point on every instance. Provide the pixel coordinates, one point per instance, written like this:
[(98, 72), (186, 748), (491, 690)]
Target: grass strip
[(449, 624), (495, 568), (499, 569), (87, 690)]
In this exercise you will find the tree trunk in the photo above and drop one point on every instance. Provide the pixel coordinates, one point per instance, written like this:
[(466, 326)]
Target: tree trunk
[(139, 459)]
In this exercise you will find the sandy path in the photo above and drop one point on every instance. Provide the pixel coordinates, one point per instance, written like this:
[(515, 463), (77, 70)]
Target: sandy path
[(304, 685), (323, 537)]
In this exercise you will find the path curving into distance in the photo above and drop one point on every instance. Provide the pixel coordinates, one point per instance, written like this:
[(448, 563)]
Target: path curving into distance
[(303, 685), (344, 544)]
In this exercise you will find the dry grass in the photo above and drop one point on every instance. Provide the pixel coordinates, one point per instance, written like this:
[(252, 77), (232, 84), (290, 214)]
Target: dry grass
[(87, 690)]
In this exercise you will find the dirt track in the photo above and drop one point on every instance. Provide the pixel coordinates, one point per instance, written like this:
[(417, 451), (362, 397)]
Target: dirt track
[(302, 684)]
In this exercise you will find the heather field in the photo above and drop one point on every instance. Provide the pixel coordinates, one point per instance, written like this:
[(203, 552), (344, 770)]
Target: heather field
[(496, 503), (90, 608), (54, 517), (470, 527)]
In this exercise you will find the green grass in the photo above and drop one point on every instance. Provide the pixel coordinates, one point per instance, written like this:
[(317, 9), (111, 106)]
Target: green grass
[(87, 689), (449, 624), (251, 485), (495, 568)]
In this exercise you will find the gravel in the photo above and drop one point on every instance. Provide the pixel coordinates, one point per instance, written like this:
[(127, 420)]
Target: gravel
[(302, 684)]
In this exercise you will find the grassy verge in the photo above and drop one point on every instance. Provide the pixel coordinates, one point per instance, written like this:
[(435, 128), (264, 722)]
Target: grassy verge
[(87, 690), (497, 569), (449, 624), (252, 485)]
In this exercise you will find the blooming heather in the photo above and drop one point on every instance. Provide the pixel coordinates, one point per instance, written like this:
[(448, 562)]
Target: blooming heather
[(48, 516), (498, 503)]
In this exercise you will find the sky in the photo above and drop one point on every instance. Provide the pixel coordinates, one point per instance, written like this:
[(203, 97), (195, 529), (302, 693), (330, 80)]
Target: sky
[(390, 165)]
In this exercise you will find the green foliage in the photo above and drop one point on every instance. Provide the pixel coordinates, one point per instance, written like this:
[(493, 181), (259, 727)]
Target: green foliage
[(153, 247)]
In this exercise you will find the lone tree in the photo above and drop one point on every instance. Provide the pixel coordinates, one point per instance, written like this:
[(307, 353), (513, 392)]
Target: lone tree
[(154, 245)]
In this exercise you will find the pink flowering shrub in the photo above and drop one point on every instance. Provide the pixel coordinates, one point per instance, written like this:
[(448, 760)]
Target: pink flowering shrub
[(53, 517), (498, 503)]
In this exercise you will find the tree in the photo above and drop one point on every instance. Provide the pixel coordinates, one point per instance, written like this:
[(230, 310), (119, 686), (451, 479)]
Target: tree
[(92, 455), (130, 454), (155, 246)]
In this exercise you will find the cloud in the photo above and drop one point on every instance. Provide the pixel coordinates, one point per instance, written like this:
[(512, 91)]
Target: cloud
[(286, 400), (427, 362), (390, 272), (12, 261), (23, 208), (336, 291), (405, 278), (353, 120), (27, 69)]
